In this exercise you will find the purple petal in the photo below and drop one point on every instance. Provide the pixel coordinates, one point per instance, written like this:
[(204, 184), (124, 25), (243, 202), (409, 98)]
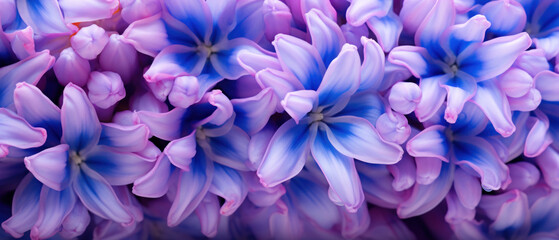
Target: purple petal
[(54, 206), (298, 103), (492, 101), (327, 37), (225, 60), (546, 84), (25, 207), (301, 59), (23, 44), (528, 102), (147, 35), (366, 105), (16, 132), (79, 133), (228, 184), (457, 212), (117, 168), (393, 127), (175, 61), (208, 213), (428, 169), (460, 89), (372, 69), (99, 197), (467, 188), (29, 70), (432, 97), (477, 155), (87, 11), (313, 202), (342, 77), (43, 16), (441, 16), (125, 138), (281, 82), (461, 36), (120, 57), (387, 29), (360, 11), (181, 151), (431, 142), (355, 137), (75, 222), (277, 18), (230, 149), (539, 136), (223, 16), (154, 183), (338, 169), (523, 175), (416, 59), (321, 5), (257, 146), (192, 186), (51, 167), (404, 173), (255, 62), (548, 44), (71, 68), (133, 10), (493, 57), (163, 125), (89, 41), (377, 185), (355, 224), (404, 97), (548, 163), (512, 213), (506, 18), (185, 92), (253, 113), (286, 154), (516, 82), (414, 12), (105, 89)]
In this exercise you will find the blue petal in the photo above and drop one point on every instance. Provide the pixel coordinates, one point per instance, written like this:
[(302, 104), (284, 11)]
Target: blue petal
[(249, 24), (228, 184), (223, 16), (253, 113), (54, 206), (194, 14), (326, 35), (365, 105), (174, 61), (387, 29), (313, 202), (51, 166), (42, 16), (441, 16), (80, 133), (125, 138), (342, 77), (25, 207), (230, 149), (118, 168)]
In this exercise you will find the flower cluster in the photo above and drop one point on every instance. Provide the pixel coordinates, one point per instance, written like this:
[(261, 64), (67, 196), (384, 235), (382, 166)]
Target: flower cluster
[(279, 119)]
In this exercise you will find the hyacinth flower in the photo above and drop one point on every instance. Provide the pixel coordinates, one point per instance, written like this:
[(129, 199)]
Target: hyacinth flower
[(453, 60), (196, 38), (77, 168), (458, 156), (200, 162), (320, 80)]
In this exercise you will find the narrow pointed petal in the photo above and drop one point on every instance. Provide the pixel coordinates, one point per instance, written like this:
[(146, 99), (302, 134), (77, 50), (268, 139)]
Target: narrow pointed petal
[(431, 142), (387, 29), (342, 77), (181, 151), (372, 69), (192, 186), (467, 188), (154, 183), (228, 184), (327, 37), (89, 10), (125, 138), (255, 62), (25, 207), (299, 103), (54, 206), (301, 59), (43, 16), (29, 70), (492, 101), (286, 153), (147, 35), (432, 97), (75, 222), (16, 132), (362, 10), (230, 149), (117, 168), (357, 138), (79, 133), (175, 61), (208, 213), (339, 170), (426, 197), (493, 57), (99, 197), (475, 153), (51, 167), (428, 169), (253, 113)]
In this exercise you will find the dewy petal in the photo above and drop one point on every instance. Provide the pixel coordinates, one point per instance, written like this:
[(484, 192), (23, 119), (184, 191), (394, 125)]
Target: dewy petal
[(118, 168), (301, 59), (105, 89), (327, 37), (54, 206), (29, 70), (83, 132), (99, 197), (428, 169), (181, 151), (51, 167), (441, 16), (426, 197), (477, 155), (493, 57), (208, 214), (298, 103), (493, 102), (154, 184), (342, 77), (431, 142), (253, 113), (43, 16), (230, 149), (125, 138), (355, 137), (192, 186), (16, 132), (338, 169), (147, 35), (228, 184), (467, 188), (87, 11), (175, 61), (71, 68), (387, 29), (460, 89), (360, 11), (416, 59), (25, 207), (432, 97), (539, 137), (286, 153), (372, 69)]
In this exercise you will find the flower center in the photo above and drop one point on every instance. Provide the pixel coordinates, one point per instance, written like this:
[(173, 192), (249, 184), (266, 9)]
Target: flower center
[(206, 50), (316, 116), (200, 134), (454, 68), (75, 158)]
